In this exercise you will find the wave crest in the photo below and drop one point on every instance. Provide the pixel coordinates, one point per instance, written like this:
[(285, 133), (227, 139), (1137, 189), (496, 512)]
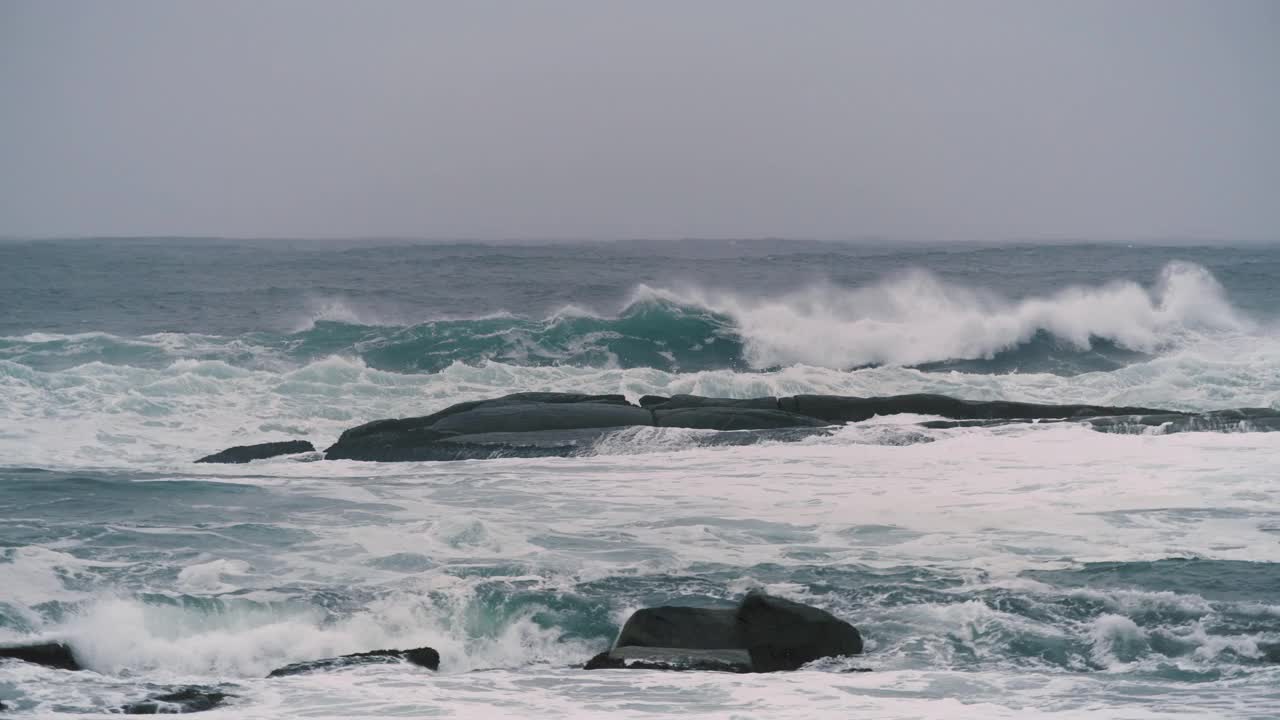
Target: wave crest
[(915, 319), (918, 318)]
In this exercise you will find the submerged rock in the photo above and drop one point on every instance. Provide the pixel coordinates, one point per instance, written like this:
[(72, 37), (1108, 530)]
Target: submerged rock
[(187, 700), (763, 634), (261, 451), (655, 658), (1238, 420), (424, 656), (53, 654)]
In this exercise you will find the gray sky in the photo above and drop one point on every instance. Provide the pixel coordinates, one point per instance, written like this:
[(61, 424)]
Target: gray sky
[(933, 120)]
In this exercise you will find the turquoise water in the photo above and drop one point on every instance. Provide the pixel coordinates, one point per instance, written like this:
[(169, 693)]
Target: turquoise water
[(1017, 571)]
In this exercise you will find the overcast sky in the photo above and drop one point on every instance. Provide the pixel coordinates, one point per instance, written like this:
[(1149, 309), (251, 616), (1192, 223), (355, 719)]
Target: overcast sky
[(928, 120)]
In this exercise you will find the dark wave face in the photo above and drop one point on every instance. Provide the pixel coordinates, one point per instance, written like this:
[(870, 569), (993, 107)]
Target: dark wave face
[(660, 335)]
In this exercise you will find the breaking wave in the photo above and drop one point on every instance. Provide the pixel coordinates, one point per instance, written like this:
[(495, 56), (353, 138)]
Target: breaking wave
[(912, 320)]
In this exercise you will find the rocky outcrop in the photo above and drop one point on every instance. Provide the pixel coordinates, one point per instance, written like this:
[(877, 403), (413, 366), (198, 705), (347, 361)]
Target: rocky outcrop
[(455, 432), (552, 424), (261, 451), (763, 634), (650, 658), (424, 656), (187, 700), (731, 418), (545, 424), (684, 402), (783, 635), (549, 424), (1239, 420), (52, 654), (837, 409), (691, 628)]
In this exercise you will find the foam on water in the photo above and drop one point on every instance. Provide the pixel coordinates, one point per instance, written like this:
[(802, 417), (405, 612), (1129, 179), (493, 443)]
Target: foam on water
[(529, 566)]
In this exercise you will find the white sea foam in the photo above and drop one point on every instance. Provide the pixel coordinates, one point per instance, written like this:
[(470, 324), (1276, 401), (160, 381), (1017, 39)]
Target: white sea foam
[(102, 415), (1117, 640), (208, 577), (918, 318), (981, 504)]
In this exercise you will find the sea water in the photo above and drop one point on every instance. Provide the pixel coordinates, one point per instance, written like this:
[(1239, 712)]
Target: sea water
[(1016, 571)]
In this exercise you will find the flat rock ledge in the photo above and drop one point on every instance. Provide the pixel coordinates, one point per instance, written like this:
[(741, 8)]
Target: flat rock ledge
[(554, 424)]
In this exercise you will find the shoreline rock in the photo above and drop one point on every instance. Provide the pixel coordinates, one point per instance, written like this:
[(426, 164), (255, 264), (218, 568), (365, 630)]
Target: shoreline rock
[(261, 451), (187, 700), (763, 634), (554, 424), (424, 657), (676, 659), (50, 654)]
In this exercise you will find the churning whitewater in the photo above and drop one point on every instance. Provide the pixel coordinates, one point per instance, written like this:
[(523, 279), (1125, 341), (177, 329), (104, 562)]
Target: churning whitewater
[(1022, 570)]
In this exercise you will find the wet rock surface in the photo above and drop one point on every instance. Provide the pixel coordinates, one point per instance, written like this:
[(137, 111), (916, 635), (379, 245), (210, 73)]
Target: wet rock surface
[(763, 634)]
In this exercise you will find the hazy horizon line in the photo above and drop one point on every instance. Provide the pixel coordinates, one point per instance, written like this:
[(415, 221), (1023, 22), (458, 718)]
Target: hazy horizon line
[(580, 240)]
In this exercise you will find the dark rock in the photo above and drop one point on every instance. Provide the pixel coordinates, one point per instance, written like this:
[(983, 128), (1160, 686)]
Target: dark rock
[(261, 451), (949, 424), (186, 700), (505, 426), (420, 438), (681, 627), (482, 446), (732, 418), (834, 408), (763, 634), (678, 402), (647, 658), (424, 656), (1238, 420), (783, 635), (527, 417), (604, 661), (54, 655), (371, 431)]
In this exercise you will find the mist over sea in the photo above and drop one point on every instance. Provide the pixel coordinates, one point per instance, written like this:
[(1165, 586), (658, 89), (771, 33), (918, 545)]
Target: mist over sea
[(1016, 571)]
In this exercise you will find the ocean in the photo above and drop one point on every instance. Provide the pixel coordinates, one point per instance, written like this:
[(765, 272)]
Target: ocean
[(1016, 571)]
